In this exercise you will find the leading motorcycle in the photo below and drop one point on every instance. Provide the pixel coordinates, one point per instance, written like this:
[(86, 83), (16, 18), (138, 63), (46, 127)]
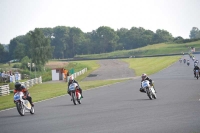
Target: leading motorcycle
[(149, 89), (22, 104), (75, 93)]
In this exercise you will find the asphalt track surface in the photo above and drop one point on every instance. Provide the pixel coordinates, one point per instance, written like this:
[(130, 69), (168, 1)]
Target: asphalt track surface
[(119, 108), (111, 69)]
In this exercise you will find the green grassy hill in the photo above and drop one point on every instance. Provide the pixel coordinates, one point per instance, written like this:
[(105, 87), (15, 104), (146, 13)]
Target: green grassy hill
[(155, 49)]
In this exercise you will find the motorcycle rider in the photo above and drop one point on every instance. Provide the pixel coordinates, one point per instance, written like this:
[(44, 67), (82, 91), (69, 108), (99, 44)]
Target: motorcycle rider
[(72, 80), (188, 62), (184, 60), (196, 68), (20, 87), (180, 60), (145, 77), (196, 62)]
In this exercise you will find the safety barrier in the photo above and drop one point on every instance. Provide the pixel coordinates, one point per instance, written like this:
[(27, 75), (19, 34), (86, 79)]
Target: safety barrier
[(31, 82), (5, 89)]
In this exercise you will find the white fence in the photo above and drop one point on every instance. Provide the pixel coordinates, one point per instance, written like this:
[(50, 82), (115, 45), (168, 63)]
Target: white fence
[(30, 83), (5, 89), (77, 74)]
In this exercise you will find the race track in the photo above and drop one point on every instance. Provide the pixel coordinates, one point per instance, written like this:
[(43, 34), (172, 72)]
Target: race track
[(111, 69), (119, 108)]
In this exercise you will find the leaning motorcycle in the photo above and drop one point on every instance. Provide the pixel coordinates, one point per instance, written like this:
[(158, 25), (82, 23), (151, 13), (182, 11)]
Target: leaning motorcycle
[(22, 104), (75, 93), (149, 89)]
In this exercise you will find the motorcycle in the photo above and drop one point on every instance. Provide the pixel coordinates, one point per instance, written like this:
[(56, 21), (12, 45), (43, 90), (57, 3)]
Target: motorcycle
[(75, 93), (149, 89), (184, 60), (197, 74), (188, 63), (22, 104)]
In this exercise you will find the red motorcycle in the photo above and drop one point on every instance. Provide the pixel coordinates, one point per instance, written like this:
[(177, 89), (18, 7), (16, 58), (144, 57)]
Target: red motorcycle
[(75, 93)]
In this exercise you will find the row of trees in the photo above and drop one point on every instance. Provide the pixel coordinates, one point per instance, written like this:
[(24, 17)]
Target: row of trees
[(66, 42)]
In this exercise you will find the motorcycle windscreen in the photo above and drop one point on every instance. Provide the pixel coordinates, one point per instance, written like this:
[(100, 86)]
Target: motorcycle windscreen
[(16, 97), (72, 87), (145, 84)]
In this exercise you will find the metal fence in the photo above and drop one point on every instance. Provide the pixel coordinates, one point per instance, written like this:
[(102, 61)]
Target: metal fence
[(5, 89)]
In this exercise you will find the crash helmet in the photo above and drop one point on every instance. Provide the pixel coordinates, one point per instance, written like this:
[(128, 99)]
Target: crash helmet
[(17, 86), (144, 76), (71, 79)]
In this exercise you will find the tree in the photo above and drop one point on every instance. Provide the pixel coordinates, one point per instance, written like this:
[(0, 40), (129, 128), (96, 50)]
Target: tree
[(24, 62), (107, 39), (122, 38), (60, 40), (1, 52), (178, 39), (19, 51), (194, 33), (4, 55), (162, 36), (76, 39), (41, 50)]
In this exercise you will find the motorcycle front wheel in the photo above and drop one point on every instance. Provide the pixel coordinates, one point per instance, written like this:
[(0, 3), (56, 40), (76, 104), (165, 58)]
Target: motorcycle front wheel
[(20, 108), (149, 94), (73, 98)]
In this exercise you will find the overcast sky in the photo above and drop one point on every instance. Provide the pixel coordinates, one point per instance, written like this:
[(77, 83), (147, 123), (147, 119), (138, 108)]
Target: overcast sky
[(18, 17)]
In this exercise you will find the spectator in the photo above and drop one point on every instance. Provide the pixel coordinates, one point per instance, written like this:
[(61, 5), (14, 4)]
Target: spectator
[(2, 75)]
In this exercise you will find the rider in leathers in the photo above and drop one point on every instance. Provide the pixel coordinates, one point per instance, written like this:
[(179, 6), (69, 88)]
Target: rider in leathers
[(20, 87), (72, 80), (196, 68), (145, 77)]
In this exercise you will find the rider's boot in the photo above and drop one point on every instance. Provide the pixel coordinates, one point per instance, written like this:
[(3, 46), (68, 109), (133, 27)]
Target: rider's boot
[(142, 90), (154, 89), (81, 95), (32, 104)]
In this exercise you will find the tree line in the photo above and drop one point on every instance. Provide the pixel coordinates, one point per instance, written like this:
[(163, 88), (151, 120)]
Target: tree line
[(66, 42)]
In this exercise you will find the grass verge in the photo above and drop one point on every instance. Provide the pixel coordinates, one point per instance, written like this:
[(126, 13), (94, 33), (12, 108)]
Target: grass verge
[(150, 65)]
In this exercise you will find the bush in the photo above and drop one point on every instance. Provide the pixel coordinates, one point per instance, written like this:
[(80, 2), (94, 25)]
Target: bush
[(16, 66), (12, 86)]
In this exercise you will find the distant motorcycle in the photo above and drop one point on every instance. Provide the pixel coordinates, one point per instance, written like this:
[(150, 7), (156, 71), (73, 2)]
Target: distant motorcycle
[(75, 93), (188, 63), (184, 60), (149, 89), (22, 104)]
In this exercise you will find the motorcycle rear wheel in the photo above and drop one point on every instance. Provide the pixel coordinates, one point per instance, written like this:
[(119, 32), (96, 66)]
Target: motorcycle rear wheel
[(32, 111), (154, 96)]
